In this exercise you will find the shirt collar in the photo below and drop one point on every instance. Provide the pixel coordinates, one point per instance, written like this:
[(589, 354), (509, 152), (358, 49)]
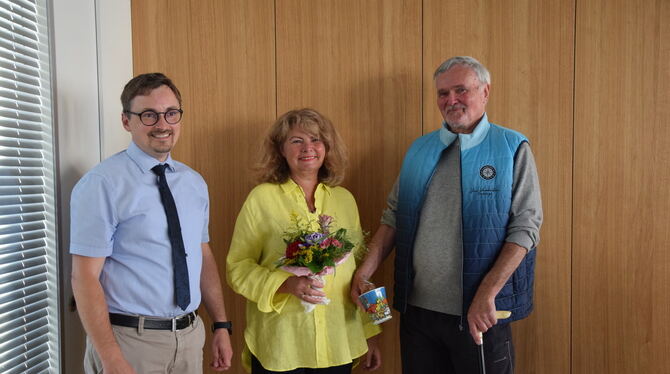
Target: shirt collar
[(291, 186), (144, 161), (467, 140)]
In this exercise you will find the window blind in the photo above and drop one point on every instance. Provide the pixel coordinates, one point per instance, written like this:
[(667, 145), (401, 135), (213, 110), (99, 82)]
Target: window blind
[(28, 255)]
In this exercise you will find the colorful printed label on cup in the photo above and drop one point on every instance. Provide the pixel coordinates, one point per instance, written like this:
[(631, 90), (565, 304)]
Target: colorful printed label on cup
[(376, 305)]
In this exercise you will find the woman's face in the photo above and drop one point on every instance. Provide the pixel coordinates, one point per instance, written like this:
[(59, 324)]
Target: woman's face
[(303, 152)]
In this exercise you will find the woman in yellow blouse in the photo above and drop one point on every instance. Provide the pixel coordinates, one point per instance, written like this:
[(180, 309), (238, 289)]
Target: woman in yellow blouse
[(302, 165)]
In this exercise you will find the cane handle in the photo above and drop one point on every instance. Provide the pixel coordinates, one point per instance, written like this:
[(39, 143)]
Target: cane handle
[(502, 314)]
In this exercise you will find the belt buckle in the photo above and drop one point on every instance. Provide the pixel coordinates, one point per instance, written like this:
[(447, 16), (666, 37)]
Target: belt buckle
[(188, 318)]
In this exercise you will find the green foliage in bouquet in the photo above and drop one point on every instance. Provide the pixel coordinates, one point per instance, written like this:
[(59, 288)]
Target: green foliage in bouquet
[(314, 249)]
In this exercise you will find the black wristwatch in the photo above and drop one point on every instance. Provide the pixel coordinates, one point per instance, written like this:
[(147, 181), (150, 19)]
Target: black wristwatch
[(223, 325)]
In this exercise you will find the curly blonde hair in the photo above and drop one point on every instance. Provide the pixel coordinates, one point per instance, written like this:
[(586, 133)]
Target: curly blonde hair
[(272, 166)]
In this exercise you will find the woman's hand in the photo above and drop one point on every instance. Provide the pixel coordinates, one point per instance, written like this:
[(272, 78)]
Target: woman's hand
[(304, 288), (373, 359)]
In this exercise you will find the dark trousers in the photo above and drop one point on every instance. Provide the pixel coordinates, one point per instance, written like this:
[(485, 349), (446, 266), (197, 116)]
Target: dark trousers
[(257, 368), (439, 343)]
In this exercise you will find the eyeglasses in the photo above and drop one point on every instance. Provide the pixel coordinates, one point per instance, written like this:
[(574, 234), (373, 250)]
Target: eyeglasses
[(150, 117)]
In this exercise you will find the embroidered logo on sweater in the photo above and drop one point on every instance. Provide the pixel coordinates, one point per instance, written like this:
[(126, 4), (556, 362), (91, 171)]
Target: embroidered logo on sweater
[(487, 172)]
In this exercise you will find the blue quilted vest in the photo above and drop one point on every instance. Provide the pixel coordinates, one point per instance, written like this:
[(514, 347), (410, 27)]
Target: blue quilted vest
[(487, 173)]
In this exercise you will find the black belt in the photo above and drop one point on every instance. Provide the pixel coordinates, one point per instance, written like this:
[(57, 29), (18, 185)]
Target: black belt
[(173, 324)]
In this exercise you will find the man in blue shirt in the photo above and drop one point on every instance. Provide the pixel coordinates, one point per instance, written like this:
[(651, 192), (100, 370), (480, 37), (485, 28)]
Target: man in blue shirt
[(140, 268), (464, 217)]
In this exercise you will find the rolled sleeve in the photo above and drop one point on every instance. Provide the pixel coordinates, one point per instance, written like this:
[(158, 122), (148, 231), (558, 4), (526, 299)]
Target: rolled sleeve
[(526, 211), (254, 281), (388, 216)]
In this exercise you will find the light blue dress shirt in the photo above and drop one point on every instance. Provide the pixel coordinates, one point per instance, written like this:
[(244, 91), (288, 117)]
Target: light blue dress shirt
[(116, 213)]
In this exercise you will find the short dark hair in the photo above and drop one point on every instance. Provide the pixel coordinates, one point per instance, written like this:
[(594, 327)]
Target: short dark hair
[(143, 84)]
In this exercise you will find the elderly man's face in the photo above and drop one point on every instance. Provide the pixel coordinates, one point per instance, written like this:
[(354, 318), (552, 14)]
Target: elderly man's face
[(461, 98)]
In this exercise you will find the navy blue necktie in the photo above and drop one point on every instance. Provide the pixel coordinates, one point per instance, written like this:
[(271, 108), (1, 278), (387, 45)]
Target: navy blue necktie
[(181, 286)]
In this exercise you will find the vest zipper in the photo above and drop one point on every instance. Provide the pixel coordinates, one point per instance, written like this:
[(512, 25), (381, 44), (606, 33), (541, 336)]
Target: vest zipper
[(460, 172)]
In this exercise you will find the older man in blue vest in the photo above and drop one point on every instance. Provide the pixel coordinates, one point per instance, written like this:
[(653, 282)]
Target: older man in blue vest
[(464, 217)]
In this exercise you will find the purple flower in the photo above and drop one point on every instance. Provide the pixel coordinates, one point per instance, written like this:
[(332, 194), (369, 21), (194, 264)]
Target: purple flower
[(314, 238)]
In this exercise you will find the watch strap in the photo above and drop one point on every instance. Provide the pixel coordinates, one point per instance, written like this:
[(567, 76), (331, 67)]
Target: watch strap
[(228, 325)]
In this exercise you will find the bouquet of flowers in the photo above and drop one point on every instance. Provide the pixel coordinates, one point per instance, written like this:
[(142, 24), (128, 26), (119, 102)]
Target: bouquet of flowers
[(314, 252)]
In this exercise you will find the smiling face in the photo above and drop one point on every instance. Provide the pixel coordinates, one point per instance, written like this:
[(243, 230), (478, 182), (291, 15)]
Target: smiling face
[(303, 152), (159, 139), (461, 98)]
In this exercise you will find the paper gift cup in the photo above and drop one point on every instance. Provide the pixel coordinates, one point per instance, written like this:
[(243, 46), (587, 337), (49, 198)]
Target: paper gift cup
[(376, 305)]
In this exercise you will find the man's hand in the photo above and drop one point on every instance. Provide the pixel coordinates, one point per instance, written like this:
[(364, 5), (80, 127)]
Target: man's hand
[(93, 311), (359, 285), (379, 248), (222, 350), (212, 297), (117, 365), (481, 316), (482, 312), (373, 359), (118, 368)]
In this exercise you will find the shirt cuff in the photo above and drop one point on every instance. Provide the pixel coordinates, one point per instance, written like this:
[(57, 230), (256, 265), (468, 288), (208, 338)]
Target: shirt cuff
[(89, 251), (521, 238), (388, 218), (271, 301)]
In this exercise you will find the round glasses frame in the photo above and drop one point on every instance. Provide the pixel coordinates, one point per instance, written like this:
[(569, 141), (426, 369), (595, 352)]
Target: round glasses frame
[(150, 117)]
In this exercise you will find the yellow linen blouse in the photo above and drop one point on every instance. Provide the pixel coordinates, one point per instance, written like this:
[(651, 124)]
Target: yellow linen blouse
[(278, 331)]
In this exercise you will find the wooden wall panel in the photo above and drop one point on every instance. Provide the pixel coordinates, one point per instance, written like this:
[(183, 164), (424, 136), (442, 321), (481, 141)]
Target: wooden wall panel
[(528, 48), (221, 56), (359, 63), (368, 66), (621, 266)]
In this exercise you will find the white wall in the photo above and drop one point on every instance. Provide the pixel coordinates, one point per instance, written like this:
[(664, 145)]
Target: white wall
[(115, 69), (92, 60)]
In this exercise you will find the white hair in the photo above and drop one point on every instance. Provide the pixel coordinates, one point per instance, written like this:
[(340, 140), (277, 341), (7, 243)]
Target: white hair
[(480, 70)]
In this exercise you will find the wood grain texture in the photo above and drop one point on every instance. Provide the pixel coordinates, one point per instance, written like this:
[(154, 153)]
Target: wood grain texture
[(621, 268), (359, 63), (221, 56), (528, 48)]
